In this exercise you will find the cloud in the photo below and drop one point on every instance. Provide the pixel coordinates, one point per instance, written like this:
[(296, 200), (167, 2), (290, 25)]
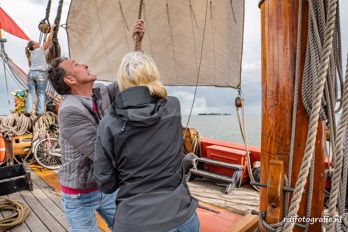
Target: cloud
[(186, 99), (27, 14)]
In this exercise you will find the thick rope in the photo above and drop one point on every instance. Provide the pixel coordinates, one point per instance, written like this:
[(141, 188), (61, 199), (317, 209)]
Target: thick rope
[(20, 213), (316, 34), (310, 192), (335, 184), (138, 38), (18, 124), (314, 116), (54, 50), (48, 10), (242, 127), (276, 227), (343, 186), (44, 25), (295, 102)]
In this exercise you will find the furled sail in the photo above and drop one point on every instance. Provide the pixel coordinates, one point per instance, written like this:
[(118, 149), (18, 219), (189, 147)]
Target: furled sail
[(180, 35)]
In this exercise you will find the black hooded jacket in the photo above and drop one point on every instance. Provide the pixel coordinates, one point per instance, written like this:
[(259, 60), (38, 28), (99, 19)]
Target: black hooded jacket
[(139, 149)]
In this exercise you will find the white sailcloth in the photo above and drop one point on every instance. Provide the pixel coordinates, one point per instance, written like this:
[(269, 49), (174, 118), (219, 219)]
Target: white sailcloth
[(99, 34)]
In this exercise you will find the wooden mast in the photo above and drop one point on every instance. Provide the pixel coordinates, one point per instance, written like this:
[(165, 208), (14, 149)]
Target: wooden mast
[(279, 36)]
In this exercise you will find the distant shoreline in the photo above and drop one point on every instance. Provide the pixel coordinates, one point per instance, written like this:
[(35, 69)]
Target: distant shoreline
[(200, 114)]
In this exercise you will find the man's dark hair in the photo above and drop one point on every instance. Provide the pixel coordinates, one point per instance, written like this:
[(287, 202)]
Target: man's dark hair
[(56, 76)]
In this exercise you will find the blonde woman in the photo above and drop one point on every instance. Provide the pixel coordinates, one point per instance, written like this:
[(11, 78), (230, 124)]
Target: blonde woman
[(139, 149), (37, 75)]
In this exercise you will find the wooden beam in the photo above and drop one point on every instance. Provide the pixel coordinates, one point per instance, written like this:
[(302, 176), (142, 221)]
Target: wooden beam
[(247, 224), (279, 43), (275, 191)]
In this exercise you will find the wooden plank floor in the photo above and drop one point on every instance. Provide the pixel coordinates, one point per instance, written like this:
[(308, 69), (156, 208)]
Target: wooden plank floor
[(240, 200), (46, 213)]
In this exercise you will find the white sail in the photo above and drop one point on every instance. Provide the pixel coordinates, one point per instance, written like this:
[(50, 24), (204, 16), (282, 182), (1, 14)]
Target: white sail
[(99, 33)]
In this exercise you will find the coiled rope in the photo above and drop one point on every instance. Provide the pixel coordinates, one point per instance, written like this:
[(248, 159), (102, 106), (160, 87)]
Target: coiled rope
[(18, 124), (20, 212)]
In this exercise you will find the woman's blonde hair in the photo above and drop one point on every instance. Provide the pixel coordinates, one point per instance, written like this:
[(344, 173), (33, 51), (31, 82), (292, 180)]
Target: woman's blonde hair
[(139, 69)]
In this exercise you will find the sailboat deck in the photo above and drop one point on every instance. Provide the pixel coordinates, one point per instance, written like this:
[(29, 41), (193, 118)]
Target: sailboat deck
[(240, 201), (46, 213)]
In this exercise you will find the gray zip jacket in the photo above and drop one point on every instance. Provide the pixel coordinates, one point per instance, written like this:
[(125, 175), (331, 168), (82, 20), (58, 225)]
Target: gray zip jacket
[(139, 149), (78, 130)]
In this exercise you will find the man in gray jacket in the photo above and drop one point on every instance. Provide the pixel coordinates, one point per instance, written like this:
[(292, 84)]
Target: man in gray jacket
[(83, 105)]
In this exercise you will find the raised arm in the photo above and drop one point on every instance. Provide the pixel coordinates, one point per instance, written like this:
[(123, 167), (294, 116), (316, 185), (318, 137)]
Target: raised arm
[(48, 42), (138, 30)]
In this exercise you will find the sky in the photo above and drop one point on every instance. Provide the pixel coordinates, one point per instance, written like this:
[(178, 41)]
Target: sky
[(28, 13)]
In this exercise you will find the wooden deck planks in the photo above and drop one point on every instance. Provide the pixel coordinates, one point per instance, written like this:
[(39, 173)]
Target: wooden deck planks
[(56, 212), (240, 200), (36, 202), (50, 178), (32, 222), (48, 191)]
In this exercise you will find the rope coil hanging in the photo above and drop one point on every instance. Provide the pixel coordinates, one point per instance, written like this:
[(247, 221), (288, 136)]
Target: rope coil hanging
[(321, 71), (314, 116)]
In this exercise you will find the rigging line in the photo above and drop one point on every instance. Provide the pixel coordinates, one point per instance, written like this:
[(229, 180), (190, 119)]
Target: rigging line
[(148, 30), (342, 201), (199, 66), (123, 16), (232, 8), (193, 18), (295, 100), (6, 81), (124, 25), (338, 56), (48, 10), (138, 39), (314, 117), (339, 158), (193, 14), (172, 40), (213, 36), (310, 192), (103, 37), (18, 80)]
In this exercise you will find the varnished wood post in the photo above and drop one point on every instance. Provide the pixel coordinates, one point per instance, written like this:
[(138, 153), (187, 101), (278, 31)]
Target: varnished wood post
[(279, 41), (275, 194)]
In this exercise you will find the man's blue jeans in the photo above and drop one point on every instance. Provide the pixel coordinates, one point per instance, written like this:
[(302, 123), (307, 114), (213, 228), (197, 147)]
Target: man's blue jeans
[(37, 83), (80, 210), (191, 225)]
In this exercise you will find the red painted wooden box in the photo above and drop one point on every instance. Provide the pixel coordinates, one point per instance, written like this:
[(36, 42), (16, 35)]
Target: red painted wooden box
[(228, 155)]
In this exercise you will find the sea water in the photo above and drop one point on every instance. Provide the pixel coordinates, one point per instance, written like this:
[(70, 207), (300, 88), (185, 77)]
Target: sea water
[(226, 127)]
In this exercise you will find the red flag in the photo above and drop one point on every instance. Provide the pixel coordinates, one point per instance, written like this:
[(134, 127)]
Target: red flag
[(10, 26)]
